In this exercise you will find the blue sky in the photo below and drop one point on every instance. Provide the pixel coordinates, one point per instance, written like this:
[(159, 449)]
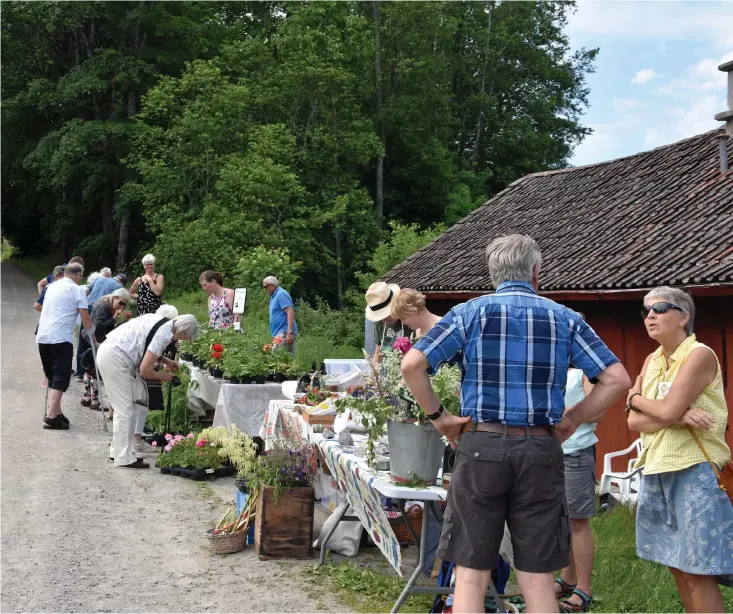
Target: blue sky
[(656, 78)]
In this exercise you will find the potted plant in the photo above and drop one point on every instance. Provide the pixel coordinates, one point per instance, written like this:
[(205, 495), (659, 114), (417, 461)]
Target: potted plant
[(217, 351), (415, 447), (186, 349), (283, 481), (259, 367)]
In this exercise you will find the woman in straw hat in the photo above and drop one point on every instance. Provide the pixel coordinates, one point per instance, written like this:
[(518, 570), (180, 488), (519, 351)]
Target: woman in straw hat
[(379, 299)]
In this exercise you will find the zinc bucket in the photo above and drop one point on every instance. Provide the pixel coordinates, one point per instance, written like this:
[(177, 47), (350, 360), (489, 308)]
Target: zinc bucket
[(415, 451)]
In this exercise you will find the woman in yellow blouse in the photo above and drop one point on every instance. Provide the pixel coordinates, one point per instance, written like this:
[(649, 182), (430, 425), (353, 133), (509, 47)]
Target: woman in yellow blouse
[(684, 520)]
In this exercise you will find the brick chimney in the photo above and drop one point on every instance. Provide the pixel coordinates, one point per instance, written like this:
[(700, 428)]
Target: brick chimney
[(727, 116)]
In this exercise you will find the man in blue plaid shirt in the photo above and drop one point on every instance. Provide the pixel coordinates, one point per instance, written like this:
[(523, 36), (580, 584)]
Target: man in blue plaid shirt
[(514, 348)]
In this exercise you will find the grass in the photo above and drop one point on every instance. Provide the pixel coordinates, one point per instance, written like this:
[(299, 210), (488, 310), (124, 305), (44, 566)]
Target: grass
[(36, 268), (622, 582), (364, 589)]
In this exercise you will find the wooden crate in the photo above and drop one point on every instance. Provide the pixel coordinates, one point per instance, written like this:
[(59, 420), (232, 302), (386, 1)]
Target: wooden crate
[(311, 419), (284, 530)]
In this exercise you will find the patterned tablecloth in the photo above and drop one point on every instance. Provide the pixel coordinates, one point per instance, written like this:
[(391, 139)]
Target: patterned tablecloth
[(363, 487)]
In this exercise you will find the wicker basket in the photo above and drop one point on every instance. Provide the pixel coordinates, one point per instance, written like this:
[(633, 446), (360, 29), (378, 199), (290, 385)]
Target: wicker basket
[(226, 543), (401, 531)]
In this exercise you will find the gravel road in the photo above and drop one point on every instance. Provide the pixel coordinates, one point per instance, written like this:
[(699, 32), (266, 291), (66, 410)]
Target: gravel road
[(81, 536)]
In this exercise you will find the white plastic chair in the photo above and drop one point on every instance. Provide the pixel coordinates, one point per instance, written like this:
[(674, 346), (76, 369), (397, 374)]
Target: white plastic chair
[(628, 481)]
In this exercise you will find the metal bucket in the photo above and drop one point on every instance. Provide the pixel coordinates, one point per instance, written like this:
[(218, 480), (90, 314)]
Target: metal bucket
[(415, 451)]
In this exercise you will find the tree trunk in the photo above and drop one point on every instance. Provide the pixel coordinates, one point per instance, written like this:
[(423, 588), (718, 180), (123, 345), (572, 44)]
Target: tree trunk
[(339, 269), (480, 122), (380, 127)]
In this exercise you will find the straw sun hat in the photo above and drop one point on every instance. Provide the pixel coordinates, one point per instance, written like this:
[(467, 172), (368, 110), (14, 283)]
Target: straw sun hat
[(379, 300)]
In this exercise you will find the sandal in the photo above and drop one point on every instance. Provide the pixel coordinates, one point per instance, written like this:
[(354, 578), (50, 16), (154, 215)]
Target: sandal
[(584, 606), (565, 589)]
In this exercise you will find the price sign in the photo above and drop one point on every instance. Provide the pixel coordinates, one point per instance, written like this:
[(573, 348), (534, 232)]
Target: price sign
[(240, 301)]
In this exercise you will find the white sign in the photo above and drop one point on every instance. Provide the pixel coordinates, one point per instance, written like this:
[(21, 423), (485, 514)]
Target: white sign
[(240, 301)]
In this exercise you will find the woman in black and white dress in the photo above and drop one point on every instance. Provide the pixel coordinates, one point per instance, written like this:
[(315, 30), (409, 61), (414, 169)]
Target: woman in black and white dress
[(151, 286)]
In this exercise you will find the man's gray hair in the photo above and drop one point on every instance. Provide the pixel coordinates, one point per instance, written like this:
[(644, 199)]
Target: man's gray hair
[(679, 298), (271, 279), (74, 269), (106, 271), (148, 259), (513, 258), (187, 325), (57, 270)]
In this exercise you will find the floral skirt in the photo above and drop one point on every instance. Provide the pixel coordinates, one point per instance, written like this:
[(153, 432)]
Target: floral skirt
[(685, 521)]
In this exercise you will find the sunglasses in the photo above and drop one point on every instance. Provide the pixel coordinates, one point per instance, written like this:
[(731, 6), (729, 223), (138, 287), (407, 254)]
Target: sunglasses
[(658, 308)]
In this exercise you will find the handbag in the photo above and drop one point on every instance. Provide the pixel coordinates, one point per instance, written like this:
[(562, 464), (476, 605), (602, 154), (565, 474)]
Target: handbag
[(724, 477), (153, 388)]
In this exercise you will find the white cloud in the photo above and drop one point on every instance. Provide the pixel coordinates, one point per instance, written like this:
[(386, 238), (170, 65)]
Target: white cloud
[(702, 76), (662, 22), (626, 105), (644, 75)]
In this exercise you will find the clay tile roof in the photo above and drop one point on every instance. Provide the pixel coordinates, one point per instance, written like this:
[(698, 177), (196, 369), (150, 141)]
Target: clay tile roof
[(659, 217)]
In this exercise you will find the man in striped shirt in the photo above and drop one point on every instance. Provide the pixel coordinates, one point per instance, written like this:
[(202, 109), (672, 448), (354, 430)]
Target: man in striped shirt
[(514, 349)]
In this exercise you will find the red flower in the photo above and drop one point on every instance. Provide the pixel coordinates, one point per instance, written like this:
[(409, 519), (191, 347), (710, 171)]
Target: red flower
[(216, 355), (217, 347)]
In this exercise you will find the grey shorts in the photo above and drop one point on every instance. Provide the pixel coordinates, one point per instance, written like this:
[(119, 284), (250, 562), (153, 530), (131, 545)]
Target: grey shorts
[(510, 479), (580, 483)]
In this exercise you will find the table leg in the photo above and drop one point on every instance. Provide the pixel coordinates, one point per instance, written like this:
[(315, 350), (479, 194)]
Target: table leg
[(340, 512), (422, 554)]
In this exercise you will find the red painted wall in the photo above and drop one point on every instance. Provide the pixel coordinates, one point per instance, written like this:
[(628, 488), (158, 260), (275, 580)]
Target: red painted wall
[(620, 325)]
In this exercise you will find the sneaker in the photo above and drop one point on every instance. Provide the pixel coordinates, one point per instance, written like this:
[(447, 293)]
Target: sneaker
[(79, 378), (86, 401), (59, 423), (95, 404)]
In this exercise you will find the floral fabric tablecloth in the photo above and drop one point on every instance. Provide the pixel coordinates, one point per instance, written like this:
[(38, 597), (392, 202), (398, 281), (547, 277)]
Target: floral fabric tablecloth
[(357, 482)]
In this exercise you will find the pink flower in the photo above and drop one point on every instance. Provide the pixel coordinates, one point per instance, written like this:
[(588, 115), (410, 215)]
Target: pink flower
[(179, 438), (200, 444), (167, 448), (190, 436), (154, 444), (168, 436), (401, 344)]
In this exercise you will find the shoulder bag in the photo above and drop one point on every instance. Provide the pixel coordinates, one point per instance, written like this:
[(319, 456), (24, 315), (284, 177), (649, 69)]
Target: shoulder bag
[(724, 477), (153, 388)]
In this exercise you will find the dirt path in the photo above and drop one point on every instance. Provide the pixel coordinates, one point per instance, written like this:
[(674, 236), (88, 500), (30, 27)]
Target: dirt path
[(79, 535)]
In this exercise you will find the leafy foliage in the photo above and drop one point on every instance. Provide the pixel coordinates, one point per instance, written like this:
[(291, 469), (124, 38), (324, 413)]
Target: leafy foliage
[(253, 138)]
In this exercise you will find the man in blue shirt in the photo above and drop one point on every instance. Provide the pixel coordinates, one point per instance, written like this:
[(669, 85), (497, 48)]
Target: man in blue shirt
[(49, 278), (515, 349), (282, 315), (103, 286)]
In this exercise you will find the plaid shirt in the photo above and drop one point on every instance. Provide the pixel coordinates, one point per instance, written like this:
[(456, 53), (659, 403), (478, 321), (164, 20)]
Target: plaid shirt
[(514, 349)]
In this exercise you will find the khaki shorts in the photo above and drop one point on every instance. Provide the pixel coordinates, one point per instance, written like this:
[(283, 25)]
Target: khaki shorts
[(513, 479)]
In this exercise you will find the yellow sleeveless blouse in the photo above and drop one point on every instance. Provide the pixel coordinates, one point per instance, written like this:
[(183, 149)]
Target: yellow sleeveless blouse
[(673, 448)]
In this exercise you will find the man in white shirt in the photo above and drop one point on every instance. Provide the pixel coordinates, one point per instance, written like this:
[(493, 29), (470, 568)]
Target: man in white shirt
[(64, 302)]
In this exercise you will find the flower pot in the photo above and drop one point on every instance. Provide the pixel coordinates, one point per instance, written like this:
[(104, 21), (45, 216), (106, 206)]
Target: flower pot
[(272, 377), (211, 371), (217, 373), (284, 529), (415, 451), (260, 379), (196, 362), (234, 380), (188, 357), (247, 379)]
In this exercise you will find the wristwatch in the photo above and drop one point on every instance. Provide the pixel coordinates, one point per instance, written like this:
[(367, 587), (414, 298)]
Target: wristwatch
[(437, 414)]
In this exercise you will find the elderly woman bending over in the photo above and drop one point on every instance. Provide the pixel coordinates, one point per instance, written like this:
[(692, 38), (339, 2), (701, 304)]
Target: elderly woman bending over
[(128, 353), (684, 519)]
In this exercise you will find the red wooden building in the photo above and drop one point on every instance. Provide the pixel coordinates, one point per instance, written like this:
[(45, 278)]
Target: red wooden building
[(608, 232)]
